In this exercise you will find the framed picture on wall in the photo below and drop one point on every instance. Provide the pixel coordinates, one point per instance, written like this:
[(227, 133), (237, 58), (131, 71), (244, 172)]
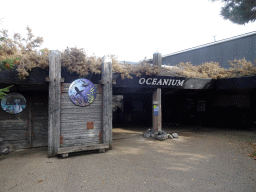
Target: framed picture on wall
[(82, 92), (13, 103)]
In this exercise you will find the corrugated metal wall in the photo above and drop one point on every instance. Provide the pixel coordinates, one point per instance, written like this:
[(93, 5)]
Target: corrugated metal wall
[(244, 47)]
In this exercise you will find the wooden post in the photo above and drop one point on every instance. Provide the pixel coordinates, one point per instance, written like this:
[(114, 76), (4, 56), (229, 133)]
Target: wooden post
[(30, 131), (107, 100), (157, 106), (54, 103)]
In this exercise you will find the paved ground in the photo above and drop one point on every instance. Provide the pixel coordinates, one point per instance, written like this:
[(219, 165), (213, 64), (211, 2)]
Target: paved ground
[(199, 160)]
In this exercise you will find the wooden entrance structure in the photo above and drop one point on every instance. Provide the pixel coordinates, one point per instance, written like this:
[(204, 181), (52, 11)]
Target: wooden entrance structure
[(73, 128), (67, 128)]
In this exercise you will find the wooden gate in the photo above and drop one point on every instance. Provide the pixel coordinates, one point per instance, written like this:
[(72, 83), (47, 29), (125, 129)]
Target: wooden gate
[(72, 128), (80, 126)]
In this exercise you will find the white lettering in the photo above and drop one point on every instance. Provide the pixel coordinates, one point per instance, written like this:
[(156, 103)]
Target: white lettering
[(180, 83), (174, 83), (159, 82), (154, 81), (142, 81), (165, 82), (148, 83)]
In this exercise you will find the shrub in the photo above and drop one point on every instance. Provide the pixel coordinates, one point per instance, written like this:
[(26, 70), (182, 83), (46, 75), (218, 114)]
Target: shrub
[(21, 53)]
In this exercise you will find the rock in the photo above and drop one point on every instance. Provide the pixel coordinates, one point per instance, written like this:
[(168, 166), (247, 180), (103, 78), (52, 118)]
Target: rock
[(148, 131), (154, 135), (175, 135), (170, 136), (146, 135), (161, 137)]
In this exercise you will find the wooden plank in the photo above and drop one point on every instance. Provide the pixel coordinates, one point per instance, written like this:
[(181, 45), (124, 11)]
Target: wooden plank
[(74, 120), (156, 99), (157, 59), (14, 135), (157, 119), (54, 103), (65, 88), (107, 100), (66, 117), (14, 128), (29, 122), (80, 126), (82, 148)]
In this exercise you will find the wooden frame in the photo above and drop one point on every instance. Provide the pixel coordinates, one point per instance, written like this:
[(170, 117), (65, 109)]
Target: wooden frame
[(55, 139)]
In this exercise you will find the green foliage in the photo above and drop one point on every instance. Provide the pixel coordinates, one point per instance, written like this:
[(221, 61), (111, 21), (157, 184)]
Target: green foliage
[(239, 11), (4, 91), (8, 63)]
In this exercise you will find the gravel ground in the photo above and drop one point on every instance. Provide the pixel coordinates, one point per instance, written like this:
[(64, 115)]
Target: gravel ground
[(199, 160)]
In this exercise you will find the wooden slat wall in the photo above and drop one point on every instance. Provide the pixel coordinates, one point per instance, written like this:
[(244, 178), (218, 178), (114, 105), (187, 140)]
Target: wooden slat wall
[(74, 120), (40, 119), (14, 128)]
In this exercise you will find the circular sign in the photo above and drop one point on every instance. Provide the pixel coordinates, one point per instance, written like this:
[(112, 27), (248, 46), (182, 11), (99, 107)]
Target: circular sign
[(82, 92), (13, 103)]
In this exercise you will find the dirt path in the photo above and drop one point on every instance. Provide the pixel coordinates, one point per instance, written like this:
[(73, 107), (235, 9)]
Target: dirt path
[(199, 160)]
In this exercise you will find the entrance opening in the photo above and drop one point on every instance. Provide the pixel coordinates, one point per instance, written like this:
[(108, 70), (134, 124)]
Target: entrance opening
[(135, 111)]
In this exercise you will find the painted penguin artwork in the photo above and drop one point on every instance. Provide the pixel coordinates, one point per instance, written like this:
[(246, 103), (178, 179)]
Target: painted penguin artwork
[(13, 103), (82, 92)]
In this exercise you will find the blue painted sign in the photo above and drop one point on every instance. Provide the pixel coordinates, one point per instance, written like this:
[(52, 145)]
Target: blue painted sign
[(82, 92), (13, 103), (156, 111)]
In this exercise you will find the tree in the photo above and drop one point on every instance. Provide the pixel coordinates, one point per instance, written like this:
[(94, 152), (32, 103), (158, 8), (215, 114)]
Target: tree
[(239, 11)]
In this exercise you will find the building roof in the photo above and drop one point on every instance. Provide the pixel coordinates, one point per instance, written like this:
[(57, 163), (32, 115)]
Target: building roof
[(213, 43)]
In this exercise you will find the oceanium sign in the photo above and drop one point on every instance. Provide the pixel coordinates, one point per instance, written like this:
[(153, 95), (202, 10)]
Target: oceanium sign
[(161, 82)]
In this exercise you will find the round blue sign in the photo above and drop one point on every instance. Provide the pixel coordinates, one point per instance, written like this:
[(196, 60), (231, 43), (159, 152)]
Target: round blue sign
[(13, 103), (82, 92)]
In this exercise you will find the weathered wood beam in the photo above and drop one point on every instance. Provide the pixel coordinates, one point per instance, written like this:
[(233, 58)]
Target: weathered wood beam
[(82, 148), (54, 103), (47, 79), (157, 59), (106, 80), (156, 101), (30, 131), (157, 111)]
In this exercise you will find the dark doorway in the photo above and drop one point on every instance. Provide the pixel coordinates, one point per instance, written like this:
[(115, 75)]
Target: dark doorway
[(136, 111)]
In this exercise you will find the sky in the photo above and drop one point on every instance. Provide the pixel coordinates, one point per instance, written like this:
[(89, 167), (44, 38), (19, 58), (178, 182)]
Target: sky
[(132, 30)]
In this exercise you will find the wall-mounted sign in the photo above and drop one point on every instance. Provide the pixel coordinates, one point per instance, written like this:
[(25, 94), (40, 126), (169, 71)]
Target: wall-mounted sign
[(156, 111), (13, 103), (82, 92), (158, 81)]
